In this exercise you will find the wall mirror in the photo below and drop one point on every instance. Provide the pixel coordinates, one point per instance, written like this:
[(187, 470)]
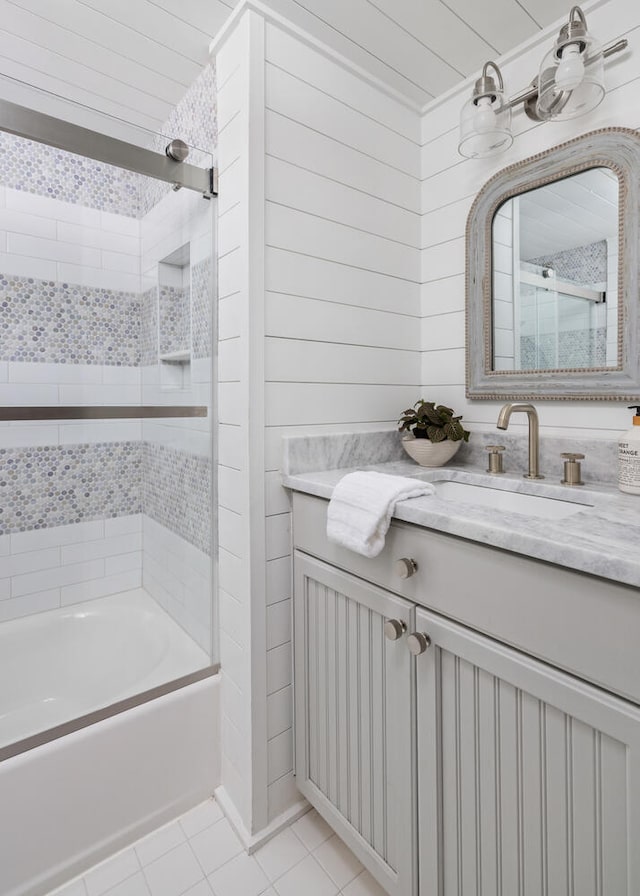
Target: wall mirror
[(552, 274)]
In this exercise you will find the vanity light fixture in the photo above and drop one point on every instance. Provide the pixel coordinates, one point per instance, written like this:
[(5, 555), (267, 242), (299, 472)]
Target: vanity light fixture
[(485, 120), (570, 83)]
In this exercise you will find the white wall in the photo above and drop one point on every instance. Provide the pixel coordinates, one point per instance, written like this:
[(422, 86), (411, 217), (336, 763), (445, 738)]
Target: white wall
[(319, 315), (341, 300), (449, 186)]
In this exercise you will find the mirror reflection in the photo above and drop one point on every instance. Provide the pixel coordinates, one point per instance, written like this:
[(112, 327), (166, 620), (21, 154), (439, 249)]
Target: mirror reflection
[(555, 276)]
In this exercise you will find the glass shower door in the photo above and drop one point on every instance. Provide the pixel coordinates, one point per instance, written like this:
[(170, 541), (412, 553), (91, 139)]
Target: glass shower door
[(106, 437)]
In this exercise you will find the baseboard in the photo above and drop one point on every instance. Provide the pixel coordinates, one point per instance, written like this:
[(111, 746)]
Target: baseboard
[(252, 842)]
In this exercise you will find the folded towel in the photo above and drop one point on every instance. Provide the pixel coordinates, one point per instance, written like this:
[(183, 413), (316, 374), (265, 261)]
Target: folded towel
[(362, 505)]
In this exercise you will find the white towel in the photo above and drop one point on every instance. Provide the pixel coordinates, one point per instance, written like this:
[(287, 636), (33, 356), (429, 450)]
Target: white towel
[(362, 505)]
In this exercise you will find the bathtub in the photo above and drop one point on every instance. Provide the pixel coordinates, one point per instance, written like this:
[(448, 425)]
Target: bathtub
[(122, 752)]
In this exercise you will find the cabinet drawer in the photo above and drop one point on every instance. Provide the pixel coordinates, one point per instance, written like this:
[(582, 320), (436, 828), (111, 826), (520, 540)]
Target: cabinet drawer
[(575, 621)]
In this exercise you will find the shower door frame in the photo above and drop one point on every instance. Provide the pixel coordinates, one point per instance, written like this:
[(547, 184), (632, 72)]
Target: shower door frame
[(81, 141)]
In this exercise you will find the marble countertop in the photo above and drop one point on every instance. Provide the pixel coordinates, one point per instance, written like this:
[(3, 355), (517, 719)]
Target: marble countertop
[(602, 539)]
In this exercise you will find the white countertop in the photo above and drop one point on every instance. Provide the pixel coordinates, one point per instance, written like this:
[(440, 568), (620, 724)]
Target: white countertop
[(603, 539)]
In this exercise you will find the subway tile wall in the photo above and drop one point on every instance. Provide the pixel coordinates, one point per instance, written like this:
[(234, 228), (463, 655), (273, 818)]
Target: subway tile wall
[(48, 568), (79, 325)]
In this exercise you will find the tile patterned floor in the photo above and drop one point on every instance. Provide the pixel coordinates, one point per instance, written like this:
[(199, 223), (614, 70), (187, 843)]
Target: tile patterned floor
[(199, 854)]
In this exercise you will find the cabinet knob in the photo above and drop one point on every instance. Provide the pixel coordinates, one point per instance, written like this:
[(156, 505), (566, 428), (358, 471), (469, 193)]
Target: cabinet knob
[(394, 629), (405, 567), (418, 642)]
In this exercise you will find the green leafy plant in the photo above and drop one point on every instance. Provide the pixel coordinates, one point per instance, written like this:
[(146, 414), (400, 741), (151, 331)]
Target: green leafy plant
[(434, 422)]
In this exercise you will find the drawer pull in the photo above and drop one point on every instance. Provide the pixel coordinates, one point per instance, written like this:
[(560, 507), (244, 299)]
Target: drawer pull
[(418, 643), (394, 629), (405, 567)]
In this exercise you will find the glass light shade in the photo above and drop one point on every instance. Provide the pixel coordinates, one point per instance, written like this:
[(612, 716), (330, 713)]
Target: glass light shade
[(559, 70), (485, 126)]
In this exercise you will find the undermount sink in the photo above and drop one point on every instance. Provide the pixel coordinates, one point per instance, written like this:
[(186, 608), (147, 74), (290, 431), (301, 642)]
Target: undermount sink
[(541, 506)]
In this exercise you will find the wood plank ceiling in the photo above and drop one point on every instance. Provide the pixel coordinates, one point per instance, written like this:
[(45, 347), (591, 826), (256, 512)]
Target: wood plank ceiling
[(135, 58)]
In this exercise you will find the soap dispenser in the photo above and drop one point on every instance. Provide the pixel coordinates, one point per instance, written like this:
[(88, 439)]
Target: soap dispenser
[(629, 457)]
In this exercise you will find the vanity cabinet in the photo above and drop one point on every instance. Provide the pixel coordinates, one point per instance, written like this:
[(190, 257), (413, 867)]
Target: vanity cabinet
[(528, 779), (354, 717), (498, 760)]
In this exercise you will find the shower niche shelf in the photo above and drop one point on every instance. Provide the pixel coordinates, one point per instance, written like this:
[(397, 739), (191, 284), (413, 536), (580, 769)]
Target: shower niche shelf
[(182, 357), (174, 319)]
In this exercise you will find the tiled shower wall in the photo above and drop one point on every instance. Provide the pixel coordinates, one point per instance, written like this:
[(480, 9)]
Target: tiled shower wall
[(77, 327), (582, 337), (177, 510)]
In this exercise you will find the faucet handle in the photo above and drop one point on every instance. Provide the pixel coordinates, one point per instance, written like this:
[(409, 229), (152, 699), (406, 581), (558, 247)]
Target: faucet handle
[(495, 458), (572, 468)]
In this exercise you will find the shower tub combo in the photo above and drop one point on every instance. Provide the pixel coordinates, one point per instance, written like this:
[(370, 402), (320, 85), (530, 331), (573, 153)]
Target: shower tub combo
[(97, 748)]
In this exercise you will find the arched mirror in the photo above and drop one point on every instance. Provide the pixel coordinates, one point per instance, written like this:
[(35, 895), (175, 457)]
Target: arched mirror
[(552, 279)]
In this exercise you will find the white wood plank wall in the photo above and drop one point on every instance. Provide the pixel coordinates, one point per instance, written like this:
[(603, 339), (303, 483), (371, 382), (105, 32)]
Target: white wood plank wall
[(342, 327), (330, 340), (449, 186), (233, 473)]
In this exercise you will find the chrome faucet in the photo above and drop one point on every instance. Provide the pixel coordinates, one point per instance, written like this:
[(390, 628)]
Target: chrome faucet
[(534, 441)]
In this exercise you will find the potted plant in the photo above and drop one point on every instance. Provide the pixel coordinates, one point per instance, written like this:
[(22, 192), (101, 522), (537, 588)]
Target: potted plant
[(434, 434)]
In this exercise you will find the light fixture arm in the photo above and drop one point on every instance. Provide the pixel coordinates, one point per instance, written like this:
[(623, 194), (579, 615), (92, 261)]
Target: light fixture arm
[(529, 95), (486, 85)]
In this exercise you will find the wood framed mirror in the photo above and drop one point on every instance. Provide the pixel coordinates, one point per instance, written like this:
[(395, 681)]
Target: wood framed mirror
[(552, 274)]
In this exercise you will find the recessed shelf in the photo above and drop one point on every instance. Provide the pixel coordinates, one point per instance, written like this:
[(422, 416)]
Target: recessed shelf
[(181, 357)]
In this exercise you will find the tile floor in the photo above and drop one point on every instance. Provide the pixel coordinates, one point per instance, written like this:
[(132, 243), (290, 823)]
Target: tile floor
[(199, 854)]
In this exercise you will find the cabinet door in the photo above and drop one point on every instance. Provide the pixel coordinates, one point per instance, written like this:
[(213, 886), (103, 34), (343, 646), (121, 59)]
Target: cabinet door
[(527, 776), (355, 734)]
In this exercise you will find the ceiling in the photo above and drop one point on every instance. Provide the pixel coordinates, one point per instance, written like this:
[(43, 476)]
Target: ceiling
[(576, 211), (135, 58)]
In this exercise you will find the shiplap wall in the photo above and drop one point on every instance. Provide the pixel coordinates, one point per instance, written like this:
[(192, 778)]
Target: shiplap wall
[(342, 266), (234, 476), (449, 186), (319, 305)]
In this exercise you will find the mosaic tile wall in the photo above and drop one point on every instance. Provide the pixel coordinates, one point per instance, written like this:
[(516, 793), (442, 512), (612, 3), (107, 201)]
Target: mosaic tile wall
[(576, 348), (201, 301), (58, 485), (45, 171), (149, 327), (581, 347), (41, 320), (175, 322), (176, 493), (193, 120), (36, 168), (586, 264)]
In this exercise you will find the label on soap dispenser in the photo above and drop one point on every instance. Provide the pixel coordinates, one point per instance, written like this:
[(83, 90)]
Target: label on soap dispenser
[(629, 465)]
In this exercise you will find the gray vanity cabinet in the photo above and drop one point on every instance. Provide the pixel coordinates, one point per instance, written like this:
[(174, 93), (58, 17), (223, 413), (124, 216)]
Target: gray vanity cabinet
[(478, 764), (354, 717), (529, 776)]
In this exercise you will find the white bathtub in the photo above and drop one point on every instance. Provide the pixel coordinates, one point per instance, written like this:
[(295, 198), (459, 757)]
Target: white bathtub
[(75, 799), (59, 665)]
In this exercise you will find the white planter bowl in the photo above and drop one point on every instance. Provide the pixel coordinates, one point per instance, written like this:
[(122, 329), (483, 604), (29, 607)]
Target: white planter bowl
[(429, 454)]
